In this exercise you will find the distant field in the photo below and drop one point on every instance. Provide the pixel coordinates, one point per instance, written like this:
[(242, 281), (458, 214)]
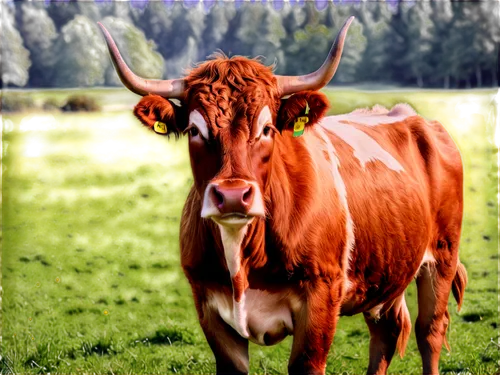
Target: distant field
[(91, 275), (102, 96)]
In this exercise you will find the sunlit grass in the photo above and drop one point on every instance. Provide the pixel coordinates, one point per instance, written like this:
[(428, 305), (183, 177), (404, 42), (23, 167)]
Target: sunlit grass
[(91, 273)]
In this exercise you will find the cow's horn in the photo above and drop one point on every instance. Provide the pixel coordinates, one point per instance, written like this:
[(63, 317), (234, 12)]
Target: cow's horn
[(170, 88), (318, 79)]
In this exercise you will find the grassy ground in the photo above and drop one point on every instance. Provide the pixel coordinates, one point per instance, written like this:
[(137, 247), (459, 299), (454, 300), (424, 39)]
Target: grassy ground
[(102, 96), (91, 275)]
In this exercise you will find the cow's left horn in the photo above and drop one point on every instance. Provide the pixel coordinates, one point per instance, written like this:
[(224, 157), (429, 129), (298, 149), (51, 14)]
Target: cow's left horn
[(318, 79), (170, 88)]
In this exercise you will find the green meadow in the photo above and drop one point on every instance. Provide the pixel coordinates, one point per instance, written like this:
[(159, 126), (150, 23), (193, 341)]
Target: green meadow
[(91, 276)]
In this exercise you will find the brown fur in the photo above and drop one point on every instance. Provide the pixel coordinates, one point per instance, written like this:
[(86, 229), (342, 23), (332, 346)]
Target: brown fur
[(296, 106), (388, 333), (301, 244), (152, 108)]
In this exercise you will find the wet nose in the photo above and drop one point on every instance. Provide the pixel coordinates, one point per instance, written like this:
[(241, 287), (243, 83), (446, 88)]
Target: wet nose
[(232, 197)]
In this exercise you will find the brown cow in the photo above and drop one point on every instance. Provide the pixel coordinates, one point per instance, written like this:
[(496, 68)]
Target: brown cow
[(282, 233)]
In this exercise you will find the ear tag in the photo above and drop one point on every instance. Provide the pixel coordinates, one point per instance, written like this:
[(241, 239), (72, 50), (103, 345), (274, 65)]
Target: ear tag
[(300, 123), (160, 127)]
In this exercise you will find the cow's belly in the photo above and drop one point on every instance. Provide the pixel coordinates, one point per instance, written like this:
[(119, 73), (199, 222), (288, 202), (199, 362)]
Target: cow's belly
[(263, 317), (361, 296)]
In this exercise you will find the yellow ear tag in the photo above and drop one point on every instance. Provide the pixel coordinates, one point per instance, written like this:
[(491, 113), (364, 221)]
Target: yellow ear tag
[(160, 127), (300, 123)]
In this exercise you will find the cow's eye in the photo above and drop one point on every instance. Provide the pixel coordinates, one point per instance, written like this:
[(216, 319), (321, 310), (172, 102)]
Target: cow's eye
[(267, 131), (193, 132)]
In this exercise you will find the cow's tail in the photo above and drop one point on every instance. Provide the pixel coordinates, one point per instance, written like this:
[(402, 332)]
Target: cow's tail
[(404, 321), (458, 289), (459, 284)]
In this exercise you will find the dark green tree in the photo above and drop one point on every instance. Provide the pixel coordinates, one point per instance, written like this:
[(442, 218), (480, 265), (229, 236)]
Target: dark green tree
[(424, 12), (140, 54), (37, 24), (251, 25), (354, 44), (196, 19), (486, 18), (275, 33), (311, 43), (374, 17), (122, 9), (89, 48), (467, 49), (7, 17), (14, 58), (89, 9)]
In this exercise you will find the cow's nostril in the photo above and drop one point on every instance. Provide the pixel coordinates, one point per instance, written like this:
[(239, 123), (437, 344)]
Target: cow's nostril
[(217, 197), (247, 195)]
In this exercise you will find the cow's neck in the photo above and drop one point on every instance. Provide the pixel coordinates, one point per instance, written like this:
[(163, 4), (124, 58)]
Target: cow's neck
[(291, 190), (289, 198), (272, 249), (233, 242)]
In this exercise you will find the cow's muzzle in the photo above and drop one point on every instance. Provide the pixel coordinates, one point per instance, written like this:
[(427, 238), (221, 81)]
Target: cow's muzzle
[(232, 202)]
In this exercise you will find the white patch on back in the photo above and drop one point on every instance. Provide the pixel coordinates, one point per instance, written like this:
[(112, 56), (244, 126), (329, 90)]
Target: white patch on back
[(378, 115), (264, 118), (366, 149), (377, 109), (402, 110), (197, 119), (342, 192)]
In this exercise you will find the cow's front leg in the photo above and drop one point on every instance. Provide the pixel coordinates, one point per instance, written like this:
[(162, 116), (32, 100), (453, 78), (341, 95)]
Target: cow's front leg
[(229, 348), (314, 327)]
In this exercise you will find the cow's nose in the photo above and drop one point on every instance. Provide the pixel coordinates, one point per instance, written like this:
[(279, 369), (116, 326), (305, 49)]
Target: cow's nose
[(232, 198)]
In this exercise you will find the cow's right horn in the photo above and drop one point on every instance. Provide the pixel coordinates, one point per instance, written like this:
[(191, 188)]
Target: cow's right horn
[(314, 81), (170, 88)]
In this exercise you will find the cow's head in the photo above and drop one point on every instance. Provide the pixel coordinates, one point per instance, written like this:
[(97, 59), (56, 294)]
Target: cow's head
[(232, 109)]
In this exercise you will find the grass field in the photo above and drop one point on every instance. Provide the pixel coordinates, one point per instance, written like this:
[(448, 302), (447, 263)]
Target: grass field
[(101, 96), (91, 275)]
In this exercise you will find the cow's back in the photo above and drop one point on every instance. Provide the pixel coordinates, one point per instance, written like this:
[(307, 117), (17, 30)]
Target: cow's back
[(403, 184)]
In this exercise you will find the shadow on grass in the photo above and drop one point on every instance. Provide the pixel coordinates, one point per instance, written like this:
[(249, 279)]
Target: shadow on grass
[(6, 365), (476, 316), (80, 310), (41, 361), (36, 258), (170, 336), (100, 347)]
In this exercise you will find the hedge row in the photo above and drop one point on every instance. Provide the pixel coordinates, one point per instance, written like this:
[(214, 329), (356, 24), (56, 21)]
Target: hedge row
[(13, 103)]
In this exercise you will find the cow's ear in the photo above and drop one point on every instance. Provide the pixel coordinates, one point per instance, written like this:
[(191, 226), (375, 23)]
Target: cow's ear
[(160, 115), (304, 107)]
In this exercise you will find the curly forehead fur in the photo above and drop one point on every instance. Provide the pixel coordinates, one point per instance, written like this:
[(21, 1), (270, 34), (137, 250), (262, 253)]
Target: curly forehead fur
[(227, 88)]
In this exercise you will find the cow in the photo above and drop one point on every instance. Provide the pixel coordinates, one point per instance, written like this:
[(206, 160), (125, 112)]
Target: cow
[(295, 219)]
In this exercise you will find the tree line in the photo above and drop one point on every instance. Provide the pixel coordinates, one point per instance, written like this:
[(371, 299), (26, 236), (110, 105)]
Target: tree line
[(447, 44)]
